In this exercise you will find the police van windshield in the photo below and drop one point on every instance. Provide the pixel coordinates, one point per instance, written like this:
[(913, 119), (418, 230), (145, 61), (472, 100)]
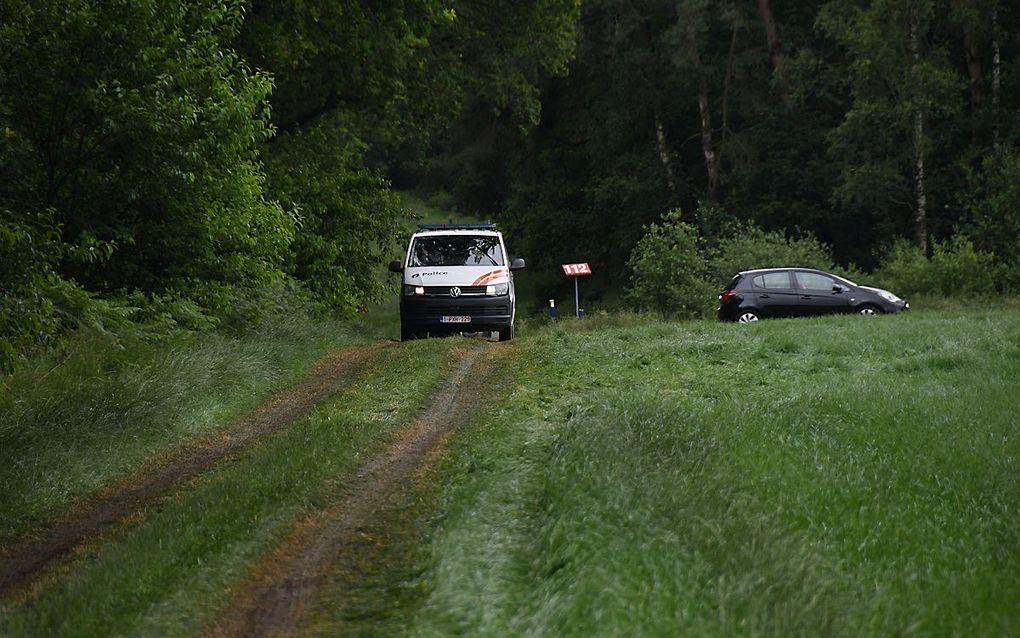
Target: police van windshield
[(456, 250)]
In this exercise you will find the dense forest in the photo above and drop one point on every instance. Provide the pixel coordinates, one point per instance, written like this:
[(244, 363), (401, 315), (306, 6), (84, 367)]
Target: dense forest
[(192, 163)]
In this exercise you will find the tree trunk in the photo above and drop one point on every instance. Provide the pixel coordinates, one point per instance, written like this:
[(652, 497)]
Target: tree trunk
[(666, 157), (711, 161), (920, 190), (978, 93), (920, 215), (996, 74), (775, 52)]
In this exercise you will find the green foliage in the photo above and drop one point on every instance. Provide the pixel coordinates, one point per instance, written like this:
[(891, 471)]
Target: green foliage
[(137, 129), (744, 247), (993, 209), (669, 271), (349, 219), (29, 250), (890, 86), (905, 270), (956, 269)]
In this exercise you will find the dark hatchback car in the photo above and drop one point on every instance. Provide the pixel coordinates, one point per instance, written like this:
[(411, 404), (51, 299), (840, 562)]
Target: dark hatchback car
[(800, 292)]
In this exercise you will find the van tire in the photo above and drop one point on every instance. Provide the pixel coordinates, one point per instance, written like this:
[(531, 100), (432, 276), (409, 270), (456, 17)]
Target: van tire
[(507, 333), (407, 335)]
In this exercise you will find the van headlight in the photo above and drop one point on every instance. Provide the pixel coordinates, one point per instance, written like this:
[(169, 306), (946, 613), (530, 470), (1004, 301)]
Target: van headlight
[(495, 290), (411, 291)]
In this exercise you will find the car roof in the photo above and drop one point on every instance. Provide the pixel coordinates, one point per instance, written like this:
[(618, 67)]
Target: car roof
[(459, 231), (783, 269)]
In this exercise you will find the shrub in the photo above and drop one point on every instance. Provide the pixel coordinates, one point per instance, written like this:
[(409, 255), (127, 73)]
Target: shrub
[(992, 204), (748, 247), (905, 270), (956, 269), (959, 269), (669, 270), (28, 251)]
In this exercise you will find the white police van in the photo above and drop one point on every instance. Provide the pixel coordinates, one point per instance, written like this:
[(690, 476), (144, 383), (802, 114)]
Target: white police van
[(456, 278)]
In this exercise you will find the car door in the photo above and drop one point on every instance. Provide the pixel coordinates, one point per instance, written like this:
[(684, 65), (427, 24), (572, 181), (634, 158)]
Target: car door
[(818, 294), (775, 293)]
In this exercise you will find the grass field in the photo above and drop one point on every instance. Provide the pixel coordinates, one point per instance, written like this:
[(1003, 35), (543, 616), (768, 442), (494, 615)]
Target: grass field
[(71, 422), (820, 477), (832, 476), (169, 572)]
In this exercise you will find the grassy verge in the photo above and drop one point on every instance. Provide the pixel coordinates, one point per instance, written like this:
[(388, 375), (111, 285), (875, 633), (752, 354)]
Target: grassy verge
[(829, 476), (175, 567), (71, 423)]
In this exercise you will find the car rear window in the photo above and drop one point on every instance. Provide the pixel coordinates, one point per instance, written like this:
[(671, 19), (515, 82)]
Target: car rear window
[(733, 283)]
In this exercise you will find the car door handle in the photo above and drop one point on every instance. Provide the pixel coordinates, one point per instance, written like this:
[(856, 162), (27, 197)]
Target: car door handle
[(763, 297), (806, 297)]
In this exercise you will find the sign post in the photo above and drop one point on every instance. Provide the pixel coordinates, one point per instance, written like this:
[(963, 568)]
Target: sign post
[(575, 271)]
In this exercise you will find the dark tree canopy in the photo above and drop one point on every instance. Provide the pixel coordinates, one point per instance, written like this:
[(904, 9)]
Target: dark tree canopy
[(201, 151)]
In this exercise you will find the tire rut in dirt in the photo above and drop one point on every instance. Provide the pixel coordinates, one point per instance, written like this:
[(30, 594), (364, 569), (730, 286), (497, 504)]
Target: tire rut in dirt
[(282, 593), (21, 564)]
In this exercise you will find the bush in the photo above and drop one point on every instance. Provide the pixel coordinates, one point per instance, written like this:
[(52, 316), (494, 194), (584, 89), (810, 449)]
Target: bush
[(905, 270), (961, 270), (956, 269), (748, 247), (28, 252), (669, 270), (992, 204)]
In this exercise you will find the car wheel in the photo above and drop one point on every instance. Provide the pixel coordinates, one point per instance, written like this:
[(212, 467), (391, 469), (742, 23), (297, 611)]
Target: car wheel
[(507, 333), (868, 310), (407, 335), (747, 316)]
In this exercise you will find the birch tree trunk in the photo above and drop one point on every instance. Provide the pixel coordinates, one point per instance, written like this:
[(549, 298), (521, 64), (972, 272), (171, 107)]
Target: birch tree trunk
[(920, 191), (666, 157), (775, 52), (711, 161), (996, 74)]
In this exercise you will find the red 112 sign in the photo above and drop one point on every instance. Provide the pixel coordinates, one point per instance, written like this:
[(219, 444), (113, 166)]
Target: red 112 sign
[(576, 270)]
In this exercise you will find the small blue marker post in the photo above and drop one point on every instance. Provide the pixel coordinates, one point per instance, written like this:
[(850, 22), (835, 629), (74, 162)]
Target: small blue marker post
[(552, 310)]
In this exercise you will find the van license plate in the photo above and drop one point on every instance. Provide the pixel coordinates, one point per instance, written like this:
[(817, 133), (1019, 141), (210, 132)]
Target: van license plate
[(454, 319)]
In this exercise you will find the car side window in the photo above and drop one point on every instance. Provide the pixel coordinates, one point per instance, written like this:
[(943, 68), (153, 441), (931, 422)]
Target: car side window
[(772, 280), (814, 281)]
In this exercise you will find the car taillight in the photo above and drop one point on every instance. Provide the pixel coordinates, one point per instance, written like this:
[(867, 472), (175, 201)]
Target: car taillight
[(726, 296)]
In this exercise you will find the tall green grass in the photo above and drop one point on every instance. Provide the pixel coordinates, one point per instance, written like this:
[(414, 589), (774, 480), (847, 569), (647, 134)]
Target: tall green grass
[(170, 572), (104, 404), (808, 477)]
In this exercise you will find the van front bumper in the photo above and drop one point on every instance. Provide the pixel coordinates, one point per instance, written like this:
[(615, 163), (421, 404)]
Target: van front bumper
[(425, 314)]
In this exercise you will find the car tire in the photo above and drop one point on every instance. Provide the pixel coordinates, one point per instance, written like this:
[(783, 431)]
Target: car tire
[(407, 335), (868, 310), (747, 316), (507, 333)]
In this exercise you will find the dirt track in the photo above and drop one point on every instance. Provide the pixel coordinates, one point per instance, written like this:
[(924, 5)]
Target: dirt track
[(279, 597), (21, 564)]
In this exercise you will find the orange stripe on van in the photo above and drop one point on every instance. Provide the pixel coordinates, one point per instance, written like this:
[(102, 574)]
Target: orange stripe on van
[(484, 279)]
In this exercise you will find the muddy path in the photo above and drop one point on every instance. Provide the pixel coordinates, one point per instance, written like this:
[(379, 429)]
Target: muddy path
[(22, 563), (339, 545)]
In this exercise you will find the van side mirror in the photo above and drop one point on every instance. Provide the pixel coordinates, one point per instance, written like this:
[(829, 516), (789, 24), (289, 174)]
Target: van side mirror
[(395, 266), (517, 264)]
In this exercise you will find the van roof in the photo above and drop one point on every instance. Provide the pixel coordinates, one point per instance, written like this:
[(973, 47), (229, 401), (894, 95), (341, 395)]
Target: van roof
[(457, 231)]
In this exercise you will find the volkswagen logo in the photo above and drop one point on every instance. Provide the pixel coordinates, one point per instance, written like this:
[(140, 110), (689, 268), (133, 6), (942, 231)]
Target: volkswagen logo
[(455, 291)]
